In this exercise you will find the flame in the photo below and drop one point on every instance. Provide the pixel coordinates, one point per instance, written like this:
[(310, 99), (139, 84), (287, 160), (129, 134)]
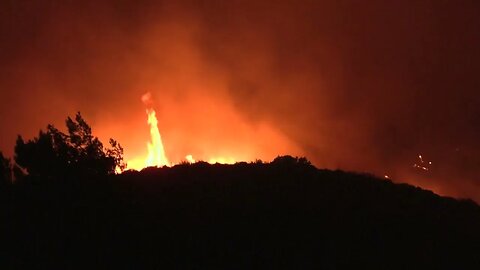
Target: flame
[(221, 160), (190, 158), (213, 144), (156, 151)]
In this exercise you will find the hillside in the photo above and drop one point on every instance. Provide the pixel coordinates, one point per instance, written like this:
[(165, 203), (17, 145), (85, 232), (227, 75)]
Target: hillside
[(257, 215)]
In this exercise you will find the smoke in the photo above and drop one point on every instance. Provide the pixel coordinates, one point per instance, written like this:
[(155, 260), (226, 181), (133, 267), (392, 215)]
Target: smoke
[(365, 86)]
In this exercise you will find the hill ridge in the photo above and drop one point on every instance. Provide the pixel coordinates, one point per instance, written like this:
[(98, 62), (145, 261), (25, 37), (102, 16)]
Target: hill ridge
[(286, 213)]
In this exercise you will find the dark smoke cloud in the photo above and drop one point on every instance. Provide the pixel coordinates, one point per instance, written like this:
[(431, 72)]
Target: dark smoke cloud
[(357, 85)]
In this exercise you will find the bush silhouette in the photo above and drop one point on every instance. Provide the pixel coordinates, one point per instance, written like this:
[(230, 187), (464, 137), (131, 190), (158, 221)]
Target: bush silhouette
[(289, 161), (5, 171), (54, 154)]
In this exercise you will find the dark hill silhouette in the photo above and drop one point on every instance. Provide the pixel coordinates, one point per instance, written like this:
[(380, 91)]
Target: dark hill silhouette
[(283, 214)]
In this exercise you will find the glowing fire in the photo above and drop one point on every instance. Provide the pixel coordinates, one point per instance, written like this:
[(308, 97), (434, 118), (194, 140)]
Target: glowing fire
[(190, 159), (211, 143), (156, 151)]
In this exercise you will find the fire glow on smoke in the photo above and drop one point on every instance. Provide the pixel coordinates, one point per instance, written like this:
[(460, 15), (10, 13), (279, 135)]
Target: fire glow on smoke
[(156, 156)]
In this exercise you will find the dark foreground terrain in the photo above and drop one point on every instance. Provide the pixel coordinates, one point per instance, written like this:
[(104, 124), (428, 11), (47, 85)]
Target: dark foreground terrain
[(285, 214)]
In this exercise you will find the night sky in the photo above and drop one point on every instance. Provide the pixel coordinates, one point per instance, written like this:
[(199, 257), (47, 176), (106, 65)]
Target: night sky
[(356, 85)]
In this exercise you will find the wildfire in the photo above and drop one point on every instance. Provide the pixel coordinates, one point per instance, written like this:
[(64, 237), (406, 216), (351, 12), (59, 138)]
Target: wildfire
[(190, 158), (156, 151), (257, 141)]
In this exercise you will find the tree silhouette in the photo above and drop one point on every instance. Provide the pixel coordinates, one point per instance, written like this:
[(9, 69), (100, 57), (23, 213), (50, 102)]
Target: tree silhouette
[(54, 154), (286, 161), (5, 171)]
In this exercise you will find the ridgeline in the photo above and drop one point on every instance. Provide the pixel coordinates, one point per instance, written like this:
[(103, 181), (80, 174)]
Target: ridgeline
[(286, 214)]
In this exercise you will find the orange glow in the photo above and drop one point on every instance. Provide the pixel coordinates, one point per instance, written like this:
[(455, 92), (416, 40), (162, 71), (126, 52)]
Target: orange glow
[(190, 159), (222, 160), (156, 151), (199, 128)]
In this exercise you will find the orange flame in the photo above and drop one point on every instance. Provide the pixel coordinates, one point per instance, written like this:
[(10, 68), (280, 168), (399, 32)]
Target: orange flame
[(190, 159), (248, 142), (156, 151)]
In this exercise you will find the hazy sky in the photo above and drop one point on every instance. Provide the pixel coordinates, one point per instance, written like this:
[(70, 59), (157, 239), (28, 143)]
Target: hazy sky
[(356, 85)]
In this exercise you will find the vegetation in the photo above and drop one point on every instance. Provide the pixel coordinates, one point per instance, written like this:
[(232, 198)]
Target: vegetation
[(54, 154), (5, 171), (283, 214)]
